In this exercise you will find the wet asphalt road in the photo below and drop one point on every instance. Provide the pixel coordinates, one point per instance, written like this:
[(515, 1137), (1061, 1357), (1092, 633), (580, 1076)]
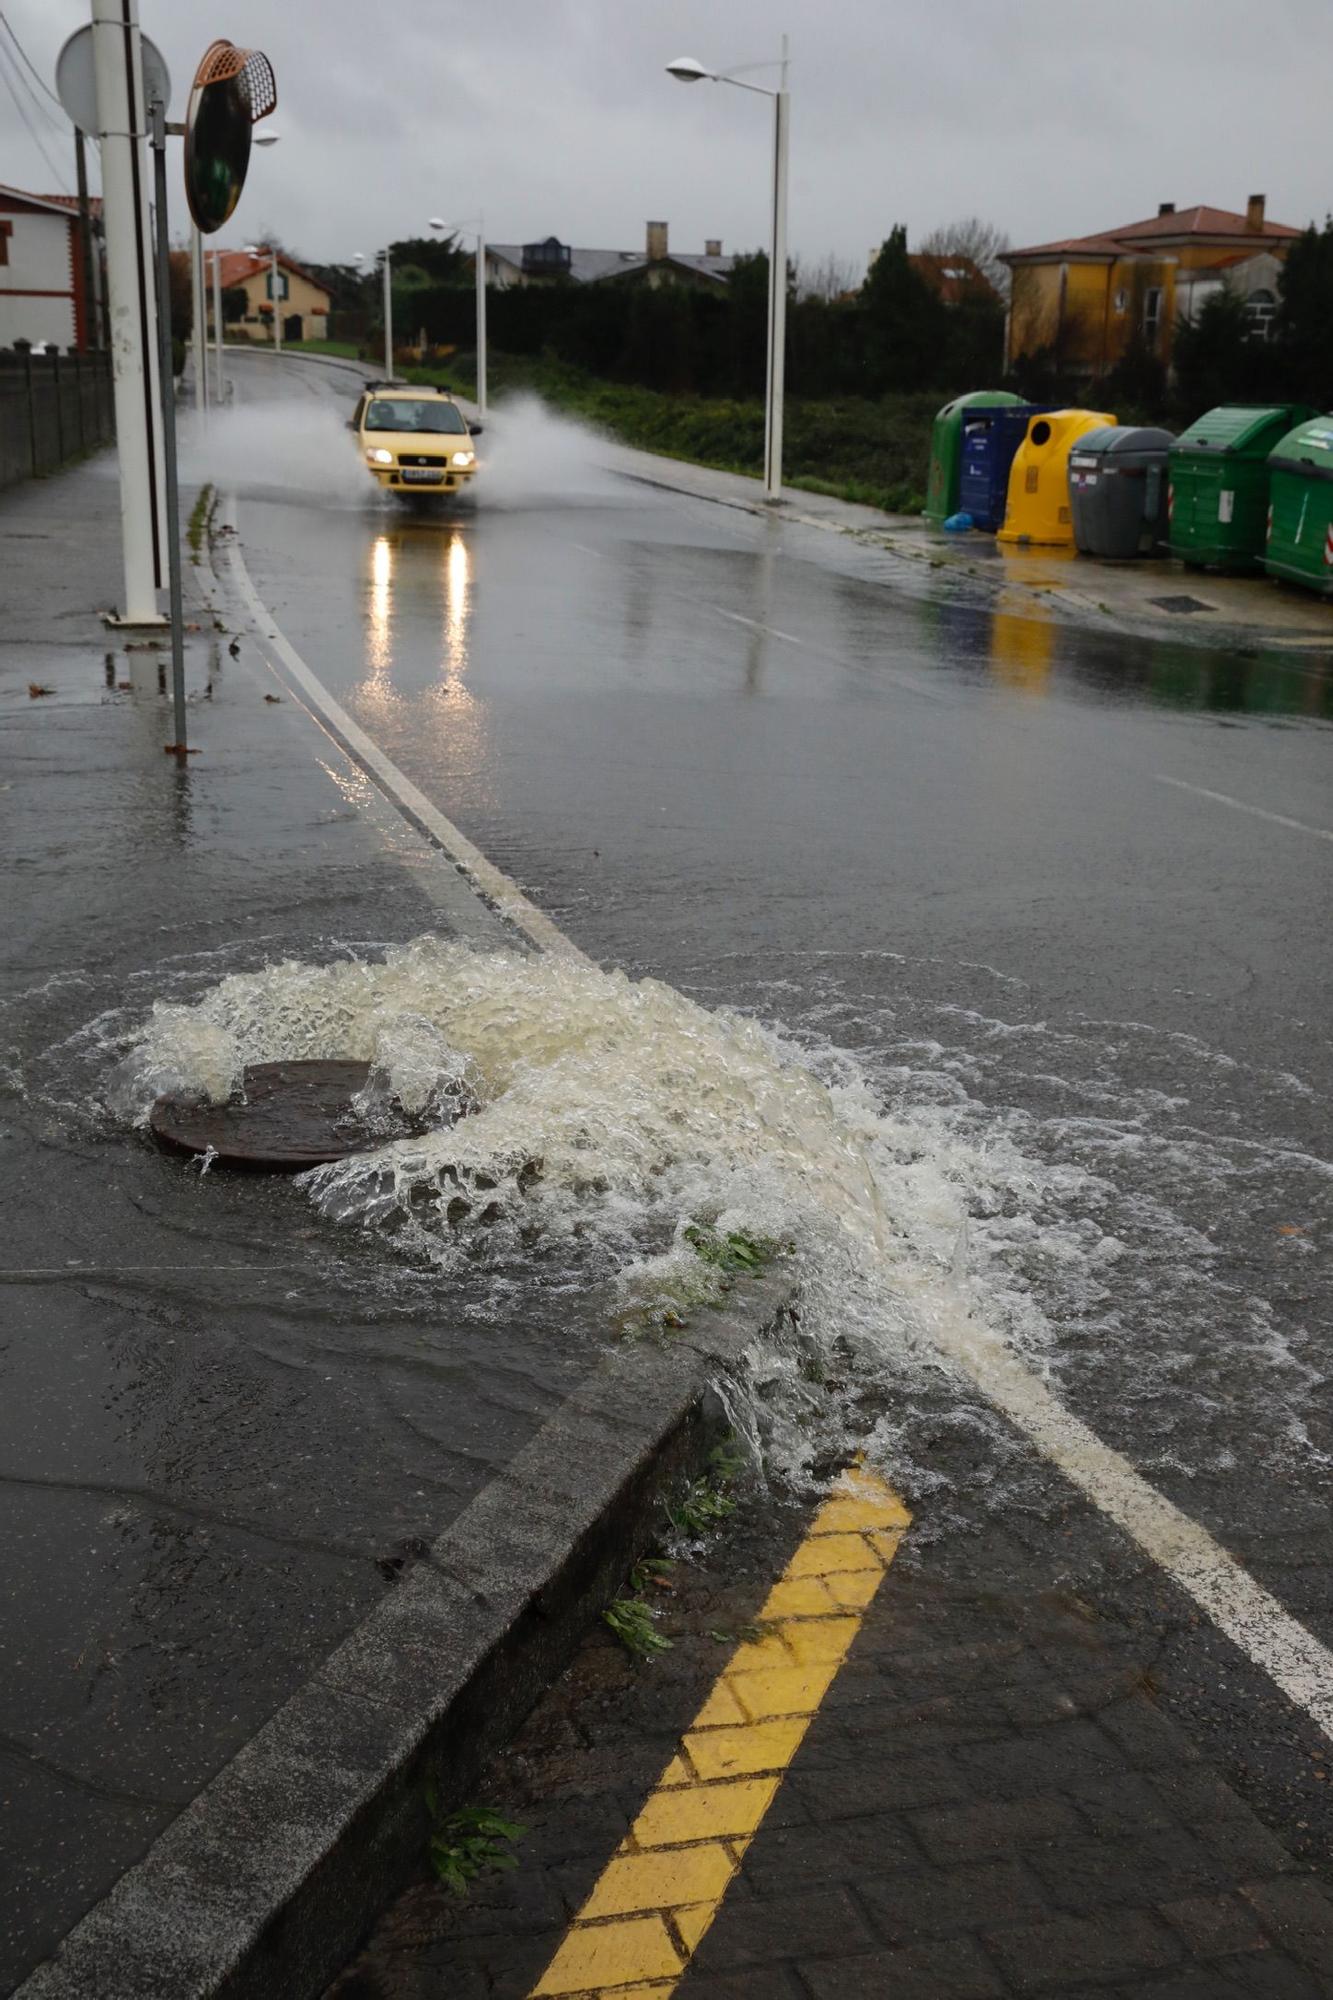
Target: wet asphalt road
[(787, 772)]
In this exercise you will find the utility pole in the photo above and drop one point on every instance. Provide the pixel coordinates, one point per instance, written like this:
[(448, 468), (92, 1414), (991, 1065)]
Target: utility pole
[(777, 290), (481, 317), (218, 384), (91, 332), (121, 118), (388, 318), (199, 315), (158, 127), (273, 283)]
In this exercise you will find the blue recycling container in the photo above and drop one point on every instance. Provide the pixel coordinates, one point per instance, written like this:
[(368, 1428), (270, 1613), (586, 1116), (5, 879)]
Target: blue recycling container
[(991, 436)]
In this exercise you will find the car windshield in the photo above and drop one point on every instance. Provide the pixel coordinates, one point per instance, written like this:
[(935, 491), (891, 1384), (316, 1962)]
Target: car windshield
[(433, 414)]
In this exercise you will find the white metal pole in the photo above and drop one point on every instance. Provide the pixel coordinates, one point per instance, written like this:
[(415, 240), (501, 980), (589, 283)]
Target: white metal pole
[(481, 319), (277, 302), (158, 114), (777, 293), (199, 314), (218, 385), (122, 121), (388, 318)]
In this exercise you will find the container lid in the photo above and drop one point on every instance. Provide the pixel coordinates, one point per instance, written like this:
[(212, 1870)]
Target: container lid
[(975, 396), (1308, 449), (1241, 426)]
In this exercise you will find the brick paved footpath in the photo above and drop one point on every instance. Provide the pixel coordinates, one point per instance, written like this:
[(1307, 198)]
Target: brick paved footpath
[(1035, 1773)]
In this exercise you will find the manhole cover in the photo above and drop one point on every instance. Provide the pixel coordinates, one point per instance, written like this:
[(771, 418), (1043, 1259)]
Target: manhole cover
[(293, 1115), (1181, 604)]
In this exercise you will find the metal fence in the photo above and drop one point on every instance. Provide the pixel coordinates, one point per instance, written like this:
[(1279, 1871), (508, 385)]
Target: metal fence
[(52, 408)]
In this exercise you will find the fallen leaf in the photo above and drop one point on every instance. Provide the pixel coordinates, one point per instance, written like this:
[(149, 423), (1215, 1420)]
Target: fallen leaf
[(125, 687), (35, 690), (273, 697), (180, 750), (1290, 1229)]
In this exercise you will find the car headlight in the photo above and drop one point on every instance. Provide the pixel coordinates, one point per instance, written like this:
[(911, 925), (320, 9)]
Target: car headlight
[(380, 456), (464, 457)]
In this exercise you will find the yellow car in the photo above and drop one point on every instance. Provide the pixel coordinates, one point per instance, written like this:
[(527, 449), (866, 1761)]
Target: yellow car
[(415, 442)]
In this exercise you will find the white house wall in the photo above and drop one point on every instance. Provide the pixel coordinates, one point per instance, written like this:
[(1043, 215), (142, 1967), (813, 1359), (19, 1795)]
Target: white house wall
[(38, 262)]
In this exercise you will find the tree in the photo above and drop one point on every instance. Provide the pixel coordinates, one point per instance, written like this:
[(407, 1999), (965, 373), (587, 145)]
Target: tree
[(972, 236), (1215, 359), (833, 277), (422, 261), (906, 323), (1305, 316)]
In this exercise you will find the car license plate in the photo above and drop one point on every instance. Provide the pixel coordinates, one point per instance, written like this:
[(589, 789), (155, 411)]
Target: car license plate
[(422, 475)]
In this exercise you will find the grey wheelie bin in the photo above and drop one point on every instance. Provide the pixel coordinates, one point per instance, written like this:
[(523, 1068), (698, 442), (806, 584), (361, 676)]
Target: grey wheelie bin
[(1118, 491)]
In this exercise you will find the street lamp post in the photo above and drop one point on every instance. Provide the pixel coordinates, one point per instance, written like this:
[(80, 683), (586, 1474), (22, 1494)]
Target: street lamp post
[(686, 70), (437, 223), (257, 250), (359, 257), (217, 327)]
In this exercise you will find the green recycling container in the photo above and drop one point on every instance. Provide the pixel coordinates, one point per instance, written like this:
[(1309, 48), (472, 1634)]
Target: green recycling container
[(946, 451), (1218, 496), (1300, 506)]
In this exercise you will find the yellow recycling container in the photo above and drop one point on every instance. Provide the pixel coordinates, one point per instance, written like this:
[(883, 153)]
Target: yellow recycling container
[(1037, 507)]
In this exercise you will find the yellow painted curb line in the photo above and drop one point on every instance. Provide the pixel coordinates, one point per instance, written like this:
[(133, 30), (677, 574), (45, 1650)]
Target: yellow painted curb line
[(664, 1884)]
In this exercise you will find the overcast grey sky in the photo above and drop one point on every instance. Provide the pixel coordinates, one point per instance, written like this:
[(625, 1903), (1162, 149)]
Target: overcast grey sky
[(1049, 117)]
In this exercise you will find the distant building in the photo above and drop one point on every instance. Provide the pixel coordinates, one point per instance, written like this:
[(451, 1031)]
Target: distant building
[(42, 291), (553, 262), (303, 297), (1085, 298), (953, 279)]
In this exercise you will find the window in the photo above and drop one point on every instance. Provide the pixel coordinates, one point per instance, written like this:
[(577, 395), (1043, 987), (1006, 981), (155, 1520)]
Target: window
[(1152, 312), (6, 231), (1260, 312), (432, 415)]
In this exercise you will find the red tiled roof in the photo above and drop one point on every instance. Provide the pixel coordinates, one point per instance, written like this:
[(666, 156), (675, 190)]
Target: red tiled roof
[(1177, 225), (237, 265), (1200, 221), (63, 202), (71, 201), (953, 278)]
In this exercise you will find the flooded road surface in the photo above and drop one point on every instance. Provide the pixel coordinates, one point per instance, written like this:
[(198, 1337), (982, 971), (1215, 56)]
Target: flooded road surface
[(1056, 900)]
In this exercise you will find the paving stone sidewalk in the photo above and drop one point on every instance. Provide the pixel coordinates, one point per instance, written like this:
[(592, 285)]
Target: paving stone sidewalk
[(996, 1798)]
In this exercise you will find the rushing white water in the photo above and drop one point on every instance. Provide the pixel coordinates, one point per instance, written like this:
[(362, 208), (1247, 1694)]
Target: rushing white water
[(612, 1113)]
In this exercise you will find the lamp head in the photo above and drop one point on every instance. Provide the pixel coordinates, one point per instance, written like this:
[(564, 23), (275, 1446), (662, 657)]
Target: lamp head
[(686, 70)]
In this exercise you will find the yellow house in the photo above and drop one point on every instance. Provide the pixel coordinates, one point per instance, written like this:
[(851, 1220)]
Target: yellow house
[(302, 298), (1085, 298)]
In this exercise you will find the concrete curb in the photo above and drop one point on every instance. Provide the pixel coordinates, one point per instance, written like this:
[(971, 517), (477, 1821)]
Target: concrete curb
[(263, 1885)]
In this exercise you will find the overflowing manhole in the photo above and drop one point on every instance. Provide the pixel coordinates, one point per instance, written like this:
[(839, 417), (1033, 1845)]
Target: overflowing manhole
[(287, 1117)]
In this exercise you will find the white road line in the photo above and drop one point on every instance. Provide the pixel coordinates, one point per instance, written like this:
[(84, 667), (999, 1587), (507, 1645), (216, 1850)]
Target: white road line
[(1298, 1663), (492, 883), (1256, 812), (755, 626)]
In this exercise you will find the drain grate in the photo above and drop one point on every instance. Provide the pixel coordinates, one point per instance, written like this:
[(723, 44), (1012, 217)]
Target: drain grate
[(1180, 604)]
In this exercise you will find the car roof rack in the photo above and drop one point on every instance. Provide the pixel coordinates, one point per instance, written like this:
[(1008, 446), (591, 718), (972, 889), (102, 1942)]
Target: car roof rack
[(418, 388)]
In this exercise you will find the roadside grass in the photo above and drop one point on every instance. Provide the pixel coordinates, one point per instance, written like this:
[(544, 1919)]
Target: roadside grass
[(346, 350), (873, 451)]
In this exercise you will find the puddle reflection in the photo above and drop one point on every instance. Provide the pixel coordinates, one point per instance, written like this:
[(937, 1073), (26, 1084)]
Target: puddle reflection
[(420, 604)]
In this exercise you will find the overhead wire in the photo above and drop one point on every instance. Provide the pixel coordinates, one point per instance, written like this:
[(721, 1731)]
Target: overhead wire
[(42, 85), (5, 67)]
